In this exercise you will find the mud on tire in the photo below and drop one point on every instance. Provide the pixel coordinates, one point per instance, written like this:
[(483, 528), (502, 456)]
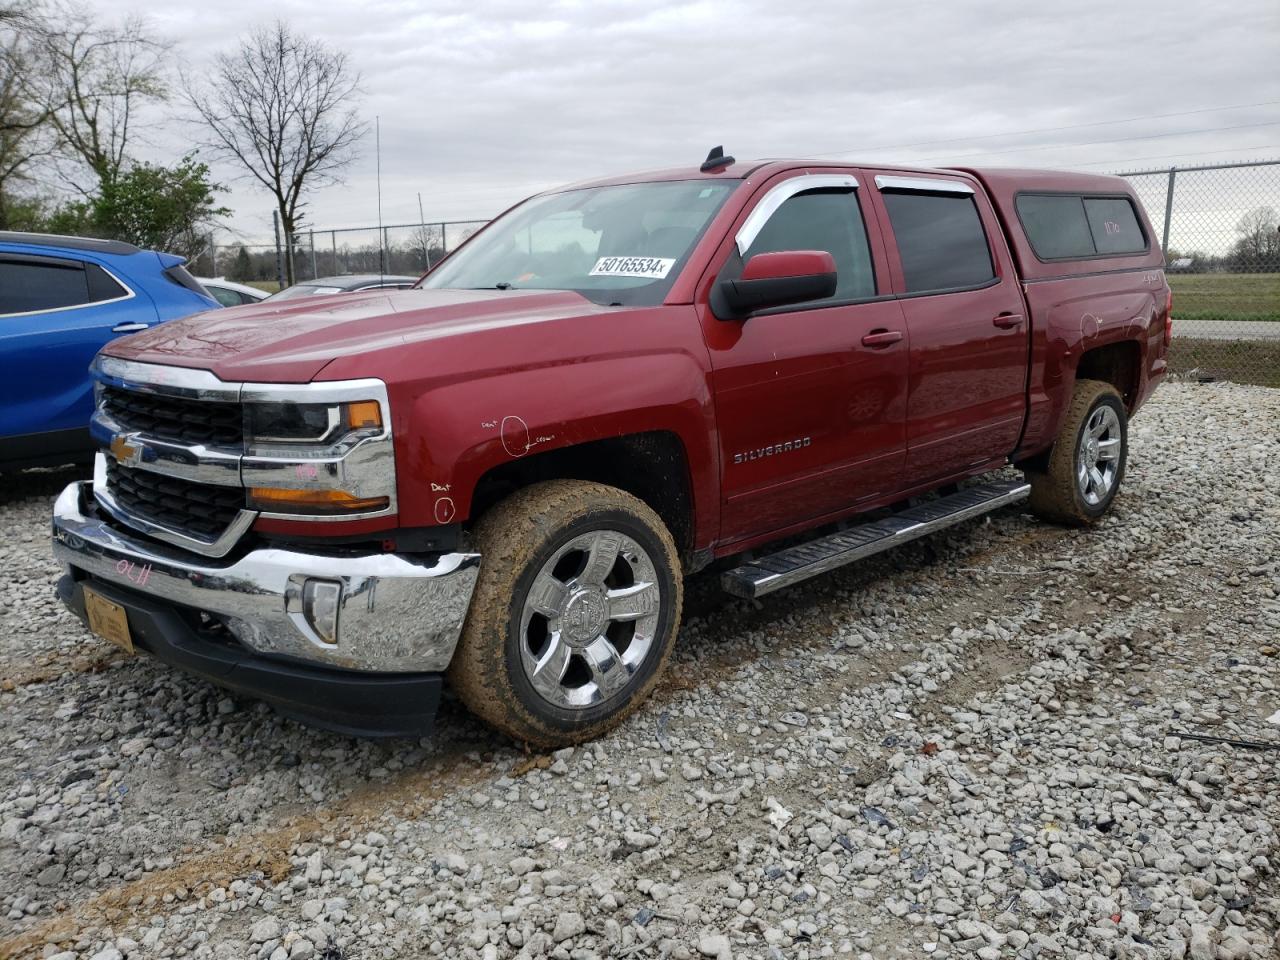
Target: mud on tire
[(574, 613), (1086, 465)]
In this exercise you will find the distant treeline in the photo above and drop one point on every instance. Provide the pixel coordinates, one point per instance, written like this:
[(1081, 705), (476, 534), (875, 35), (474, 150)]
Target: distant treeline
[(1256, 251)]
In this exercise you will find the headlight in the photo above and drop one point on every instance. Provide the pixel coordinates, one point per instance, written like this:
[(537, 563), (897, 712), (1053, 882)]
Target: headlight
[(310, 423), (322, 451)]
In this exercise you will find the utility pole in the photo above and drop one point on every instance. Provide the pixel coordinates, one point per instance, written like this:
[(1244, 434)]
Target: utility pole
[(1168, 211), (275, 221), (290, 266), (422, 226), (382, 236)]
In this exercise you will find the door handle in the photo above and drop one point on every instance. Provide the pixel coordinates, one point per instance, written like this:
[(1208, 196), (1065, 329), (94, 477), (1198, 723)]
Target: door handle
[(132, 327), (1007, 321), (881, 338)]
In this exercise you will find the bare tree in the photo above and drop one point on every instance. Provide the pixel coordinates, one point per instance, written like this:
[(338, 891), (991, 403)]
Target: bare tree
[(280, 107), (1258, 248), (93, 80), (429, 239), (24, 122)]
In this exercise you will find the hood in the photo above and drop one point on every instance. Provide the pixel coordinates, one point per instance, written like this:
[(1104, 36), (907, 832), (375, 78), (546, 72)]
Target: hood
[(291, 341)]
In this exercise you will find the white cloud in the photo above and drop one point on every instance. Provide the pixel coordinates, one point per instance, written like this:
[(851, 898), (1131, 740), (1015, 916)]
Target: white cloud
[(485, 101)]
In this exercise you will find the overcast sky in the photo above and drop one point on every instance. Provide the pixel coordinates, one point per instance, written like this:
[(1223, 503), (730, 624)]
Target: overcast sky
[(485, 101)]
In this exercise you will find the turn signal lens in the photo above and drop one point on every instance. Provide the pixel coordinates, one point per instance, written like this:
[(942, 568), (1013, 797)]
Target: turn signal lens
[(364, 414), (312, 501)]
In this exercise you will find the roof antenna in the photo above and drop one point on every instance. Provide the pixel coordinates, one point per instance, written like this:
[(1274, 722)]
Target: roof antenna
[(715, 160)]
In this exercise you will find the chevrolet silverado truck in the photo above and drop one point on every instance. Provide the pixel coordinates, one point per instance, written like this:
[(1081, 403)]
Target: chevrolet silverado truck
[(497, 479)]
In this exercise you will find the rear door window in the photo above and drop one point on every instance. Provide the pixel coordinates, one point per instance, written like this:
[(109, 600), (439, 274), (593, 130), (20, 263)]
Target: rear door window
[(1115, 225), (32, 284), (102, 286), (940, 240)]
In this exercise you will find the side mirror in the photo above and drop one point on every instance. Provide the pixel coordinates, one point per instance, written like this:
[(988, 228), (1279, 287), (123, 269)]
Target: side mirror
[(776, 280)]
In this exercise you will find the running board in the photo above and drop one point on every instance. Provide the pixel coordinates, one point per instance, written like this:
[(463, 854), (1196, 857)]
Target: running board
[(805, 560)]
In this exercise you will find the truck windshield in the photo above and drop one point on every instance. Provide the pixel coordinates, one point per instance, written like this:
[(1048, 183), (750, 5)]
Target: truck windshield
[(621, 244)]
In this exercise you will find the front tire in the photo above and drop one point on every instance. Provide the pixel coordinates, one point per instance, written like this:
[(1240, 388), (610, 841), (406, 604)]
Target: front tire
[(1087, 462), (574, 614)]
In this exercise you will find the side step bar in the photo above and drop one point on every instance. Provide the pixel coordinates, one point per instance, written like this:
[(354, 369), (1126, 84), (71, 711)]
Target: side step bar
[(805, 560)]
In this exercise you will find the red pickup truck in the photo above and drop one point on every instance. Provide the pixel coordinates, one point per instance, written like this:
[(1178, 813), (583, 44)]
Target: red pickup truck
[(499, 477)]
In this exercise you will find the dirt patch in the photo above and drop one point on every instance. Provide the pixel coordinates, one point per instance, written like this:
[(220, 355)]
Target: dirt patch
[(266, 852), (55, 666)]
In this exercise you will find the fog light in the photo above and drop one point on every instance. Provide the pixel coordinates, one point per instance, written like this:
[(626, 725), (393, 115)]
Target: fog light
[(320, 601)]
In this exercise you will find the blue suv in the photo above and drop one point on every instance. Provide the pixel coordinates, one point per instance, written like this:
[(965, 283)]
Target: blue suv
[(61, 300)]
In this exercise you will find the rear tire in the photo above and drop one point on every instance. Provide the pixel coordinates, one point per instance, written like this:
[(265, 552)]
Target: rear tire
[(574, 614), (1086, 465)]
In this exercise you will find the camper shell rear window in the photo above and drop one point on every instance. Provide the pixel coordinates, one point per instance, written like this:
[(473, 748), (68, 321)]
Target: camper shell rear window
[(1075, 226)]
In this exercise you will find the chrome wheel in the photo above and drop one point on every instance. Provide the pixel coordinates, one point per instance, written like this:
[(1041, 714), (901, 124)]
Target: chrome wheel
[(589, 619), (1098, 456)]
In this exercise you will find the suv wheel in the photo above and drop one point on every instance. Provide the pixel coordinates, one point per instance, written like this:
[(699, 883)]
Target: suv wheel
[(574, 614), (1087, 462)]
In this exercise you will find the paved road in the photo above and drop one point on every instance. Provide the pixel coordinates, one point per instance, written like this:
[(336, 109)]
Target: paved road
[(1226, 329)]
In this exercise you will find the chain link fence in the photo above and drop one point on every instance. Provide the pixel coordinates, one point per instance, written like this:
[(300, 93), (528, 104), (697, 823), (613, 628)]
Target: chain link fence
[(406, 249), (1219, 227)]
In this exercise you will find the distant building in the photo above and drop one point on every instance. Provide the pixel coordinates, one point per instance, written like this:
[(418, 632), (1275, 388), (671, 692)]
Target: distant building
[(1181, 265)]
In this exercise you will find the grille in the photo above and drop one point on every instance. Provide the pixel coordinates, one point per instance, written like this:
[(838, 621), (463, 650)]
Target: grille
[(210, 422), (195, 509)]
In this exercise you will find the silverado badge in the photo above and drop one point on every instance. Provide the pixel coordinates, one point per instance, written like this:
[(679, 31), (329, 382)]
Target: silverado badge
[(775, 448)]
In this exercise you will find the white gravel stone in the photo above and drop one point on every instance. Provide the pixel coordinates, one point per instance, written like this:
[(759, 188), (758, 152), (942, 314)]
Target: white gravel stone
[(568, 926)]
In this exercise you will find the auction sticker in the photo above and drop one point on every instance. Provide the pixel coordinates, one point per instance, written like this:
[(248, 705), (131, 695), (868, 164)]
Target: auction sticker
[(652, 268)]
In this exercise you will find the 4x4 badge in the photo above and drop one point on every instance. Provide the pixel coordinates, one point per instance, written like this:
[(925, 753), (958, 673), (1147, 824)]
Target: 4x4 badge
[(126, 453)]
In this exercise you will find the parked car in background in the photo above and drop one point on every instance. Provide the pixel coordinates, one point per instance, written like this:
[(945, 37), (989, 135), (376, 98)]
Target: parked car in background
[(231, 294), (61, 300), (348, 284)]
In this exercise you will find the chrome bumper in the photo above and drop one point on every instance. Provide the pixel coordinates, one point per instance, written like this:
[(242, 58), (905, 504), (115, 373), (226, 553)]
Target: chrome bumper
[(395, 613)]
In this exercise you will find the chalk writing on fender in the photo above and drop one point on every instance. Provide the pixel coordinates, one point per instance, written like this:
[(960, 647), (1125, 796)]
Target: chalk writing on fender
[(515, 436)]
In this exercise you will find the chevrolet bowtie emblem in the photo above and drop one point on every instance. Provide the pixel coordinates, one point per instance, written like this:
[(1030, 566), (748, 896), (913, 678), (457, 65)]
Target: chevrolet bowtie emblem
[(126, 453)]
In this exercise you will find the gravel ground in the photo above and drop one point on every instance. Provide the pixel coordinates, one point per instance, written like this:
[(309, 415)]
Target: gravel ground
[(977, 745)]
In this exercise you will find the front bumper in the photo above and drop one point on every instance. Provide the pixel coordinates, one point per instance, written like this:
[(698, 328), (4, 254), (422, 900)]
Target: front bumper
[(396, 614), (357, 704)]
